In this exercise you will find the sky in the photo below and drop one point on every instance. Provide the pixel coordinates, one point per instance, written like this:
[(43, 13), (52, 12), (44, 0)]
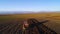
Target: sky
[(29, 5)]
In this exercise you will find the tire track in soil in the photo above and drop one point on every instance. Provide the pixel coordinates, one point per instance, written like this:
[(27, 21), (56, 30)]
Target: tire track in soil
[(13, 24), (13, 27), (4, 27), (19, 29), (12, 31)]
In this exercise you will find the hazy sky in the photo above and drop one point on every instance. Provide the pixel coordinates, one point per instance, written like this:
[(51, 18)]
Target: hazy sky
[(29, 5)]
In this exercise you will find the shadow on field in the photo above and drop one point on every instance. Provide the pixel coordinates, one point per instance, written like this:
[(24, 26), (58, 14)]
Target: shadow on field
[(36, 27)]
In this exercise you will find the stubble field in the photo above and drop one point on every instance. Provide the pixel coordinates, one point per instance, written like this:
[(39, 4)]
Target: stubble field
[(10, 21)]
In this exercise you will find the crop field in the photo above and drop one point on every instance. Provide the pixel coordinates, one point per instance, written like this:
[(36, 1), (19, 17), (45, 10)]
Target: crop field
[(12, 23)]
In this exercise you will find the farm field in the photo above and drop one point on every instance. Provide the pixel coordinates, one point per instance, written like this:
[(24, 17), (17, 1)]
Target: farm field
[(13, 22)]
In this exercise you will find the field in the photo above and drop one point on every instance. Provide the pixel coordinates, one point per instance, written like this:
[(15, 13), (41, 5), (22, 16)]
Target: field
[(10, 21)]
